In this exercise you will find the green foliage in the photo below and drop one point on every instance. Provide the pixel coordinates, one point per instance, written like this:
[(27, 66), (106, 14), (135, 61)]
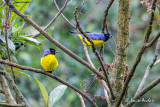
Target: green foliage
[(43, 91), (20, 6), (20, 73), (56, 94)]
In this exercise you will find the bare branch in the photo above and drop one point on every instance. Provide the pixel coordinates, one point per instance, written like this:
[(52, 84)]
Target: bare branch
[(63, 15), (106, 14), (153, 40), (95, 52), (55, 17), (157, 62), (87, 55), (15, 88), (6, 39), (67, 51), (11, 105), (5, 88), (104, 25), (149, 67), (144, 90), (81, 99), (97, 2), (50, 75), (139, 56)]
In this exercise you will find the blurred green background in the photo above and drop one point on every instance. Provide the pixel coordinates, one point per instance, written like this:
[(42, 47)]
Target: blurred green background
[(42, 11)]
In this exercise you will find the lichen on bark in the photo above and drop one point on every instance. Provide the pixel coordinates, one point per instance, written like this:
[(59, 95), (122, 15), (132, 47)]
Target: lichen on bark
[(119, 68)]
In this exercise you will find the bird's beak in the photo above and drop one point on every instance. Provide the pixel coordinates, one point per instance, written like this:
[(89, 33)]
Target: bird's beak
[(56, 52)]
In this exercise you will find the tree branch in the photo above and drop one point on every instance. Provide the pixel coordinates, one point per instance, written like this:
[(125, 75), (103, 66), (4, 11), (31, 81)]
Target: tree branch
[(5, 88), (55, 17), (81, 99), (104, 25), (144, 90), (153, 40), (15, 88), (50, 75), (106, 14), (95, 52), (11, 105), (67, 51), (149, 67), (63, 15), (97, 2), (139, 56)]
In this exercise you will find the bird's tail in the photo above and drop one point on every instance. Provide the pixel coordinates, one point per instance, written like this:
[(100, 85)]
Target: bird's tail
[(77, 32), (73, 32), (50, 72)]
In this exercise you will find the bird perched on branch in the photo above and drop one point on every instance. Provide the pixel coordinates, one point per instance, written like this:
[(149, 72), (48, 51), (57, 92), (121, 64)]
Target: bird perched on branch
[(48, 61), (98, 38)]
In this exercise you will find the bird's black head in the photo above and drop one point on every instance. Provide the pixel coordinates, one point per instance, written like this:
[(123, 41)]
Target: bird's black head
[(53, 51), (107, 36)]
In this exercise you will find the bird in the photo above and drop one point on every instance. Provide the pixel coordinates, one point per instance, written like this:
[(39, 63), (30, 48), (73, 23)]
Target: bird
[(98, 38), (48, 60)]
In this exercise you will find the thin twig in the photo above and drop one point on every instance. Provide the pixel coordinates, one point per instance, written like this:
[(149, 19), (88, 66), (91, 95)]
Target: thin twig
[(87, 55), (106, 89), (6, 39), (157, 62), (106, 14), (111, 49), (149, 67), (55, 17), (66, 50), (139, 56), (97, 2), (81, 99), (63, 15), (144, 90), (104, 24), (95, 52), (50, 75)]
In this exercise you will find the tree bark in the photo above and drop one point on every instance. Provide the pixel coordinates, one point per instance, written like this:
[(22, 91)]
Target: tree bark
[(119, 68), (5, 88)]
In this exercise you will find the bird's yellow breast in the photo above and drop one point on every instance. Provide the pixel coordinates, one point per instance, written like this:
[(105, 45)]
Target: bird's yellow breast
[(96, 42), (49, 62)]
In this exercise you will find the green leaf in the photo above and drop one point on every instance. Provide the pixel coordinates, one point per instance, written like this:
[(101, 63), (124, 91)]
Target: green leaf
[(21, 73), (31, 41), (29, 30), (34, 44), (43, 91), (56, 94), (20, 6), (17, 24), (10, 43)]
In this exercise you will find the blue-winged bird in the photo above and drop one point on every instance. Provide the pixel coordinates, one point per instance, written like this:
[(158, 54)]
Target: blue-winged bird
[(98, 38), (48, 61)]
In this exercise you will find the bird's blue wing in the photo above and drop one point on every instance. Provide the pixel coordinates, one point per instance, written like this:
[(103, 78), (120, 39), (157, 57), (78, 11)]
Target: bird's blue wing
[(96, 36)]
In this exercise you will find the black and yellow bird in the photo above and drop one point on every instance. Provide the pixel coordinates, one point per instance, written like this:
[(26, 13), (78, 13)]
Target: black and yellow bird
[(98, 38), (48, 61)]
